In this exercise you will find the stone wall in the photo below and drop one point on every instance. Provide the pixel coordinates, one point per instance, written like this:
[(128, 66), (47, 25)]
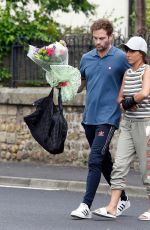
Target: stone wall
[(16, 142)]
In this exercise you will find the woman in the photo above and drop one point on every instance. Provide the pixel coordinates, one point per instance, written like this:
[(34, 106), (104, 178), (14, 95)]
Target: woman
[(134, 100)]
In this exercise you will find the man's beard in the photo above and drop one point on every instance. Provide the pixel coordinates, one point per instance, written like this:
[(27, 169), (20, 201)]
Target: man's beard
[(101, 48)]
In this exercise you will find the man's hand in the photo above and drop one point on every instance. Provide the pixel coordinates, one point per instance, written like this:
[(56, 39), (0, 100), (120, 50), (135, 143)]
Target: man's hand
[(83, 84)]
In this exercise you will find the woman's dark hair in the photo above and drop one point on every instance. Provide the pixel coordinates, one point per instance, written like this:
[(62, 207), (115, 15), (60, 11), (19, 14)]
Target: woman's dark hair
[(145, 60), (104, 24)]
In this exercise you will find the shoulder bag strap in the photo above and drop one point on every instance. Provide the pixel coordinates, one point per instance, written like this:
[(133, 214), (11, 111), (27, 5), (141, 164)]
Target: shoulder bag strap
[(60, 106)]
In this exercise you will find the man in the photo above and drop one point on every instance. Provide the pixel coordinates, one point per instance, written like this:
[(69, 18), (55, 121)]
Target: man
[(102, 71)]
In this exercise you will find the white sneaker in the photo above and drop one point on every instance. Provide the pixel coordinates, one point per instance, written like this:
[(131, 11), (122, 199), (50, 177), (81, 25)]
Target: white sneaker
[(122, 206), (82, 212)]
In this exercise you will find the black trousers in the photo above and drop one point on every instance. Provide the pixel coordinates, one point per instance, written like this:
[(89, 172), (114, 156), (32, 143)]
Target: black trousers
[(100, 161)]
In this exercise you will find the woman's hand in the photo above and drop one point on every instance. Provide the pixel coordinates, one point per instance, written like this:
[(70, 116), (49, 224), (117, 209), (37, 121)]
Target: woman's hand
[(133, 109)]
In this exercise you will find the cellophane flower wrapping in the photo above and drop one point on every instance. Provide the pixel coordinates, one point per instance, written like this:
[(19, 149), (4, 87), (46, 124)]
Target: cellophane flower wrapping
[(53, 54), (54, 60), (66, 77)]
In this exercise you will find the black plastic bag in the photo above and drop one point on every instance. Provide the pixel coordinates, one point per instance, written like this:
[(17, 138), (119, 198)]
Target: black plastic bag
[(47, 124)]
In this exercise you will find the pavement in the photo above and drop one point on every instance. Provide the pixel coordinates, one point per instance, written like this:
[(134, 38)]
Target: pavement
[(54, 177)]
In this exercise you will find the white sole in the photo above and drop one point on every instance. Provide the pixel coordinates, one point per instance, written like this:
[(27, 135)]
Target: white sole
[(79, 217)]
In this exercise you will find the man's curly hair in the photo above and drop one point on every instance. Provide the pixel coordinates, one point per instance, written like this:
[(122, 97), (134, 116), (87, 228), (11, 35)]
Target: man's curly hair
[(104, 24)]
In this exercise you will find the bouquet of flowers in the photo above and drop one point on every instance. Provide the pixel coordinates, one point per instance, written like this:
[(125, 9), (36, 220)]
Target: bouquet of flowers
[(53, 54), (54, 60)]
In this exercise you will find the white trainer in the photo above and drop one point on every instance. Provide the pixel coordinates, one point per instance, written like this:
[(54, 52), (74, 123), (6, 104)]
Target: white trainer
[(82, 212), (122, 206)]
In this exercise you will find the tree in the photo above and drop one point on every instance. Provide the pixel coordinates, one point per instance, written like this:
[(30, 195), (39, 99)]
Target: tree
[(140, 14), (148, 14), (53, 5), (16, 21)]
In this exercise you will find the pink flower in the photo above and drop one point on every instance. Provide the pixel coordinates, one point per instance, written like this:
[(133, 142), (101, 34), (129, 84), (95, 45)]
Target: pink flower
[(50, 51), (63, 84), (62, 52)]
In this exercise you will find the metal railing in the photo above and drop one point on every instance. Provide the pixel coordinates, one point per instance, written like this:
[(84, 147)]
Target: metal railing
[(25, 72)]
